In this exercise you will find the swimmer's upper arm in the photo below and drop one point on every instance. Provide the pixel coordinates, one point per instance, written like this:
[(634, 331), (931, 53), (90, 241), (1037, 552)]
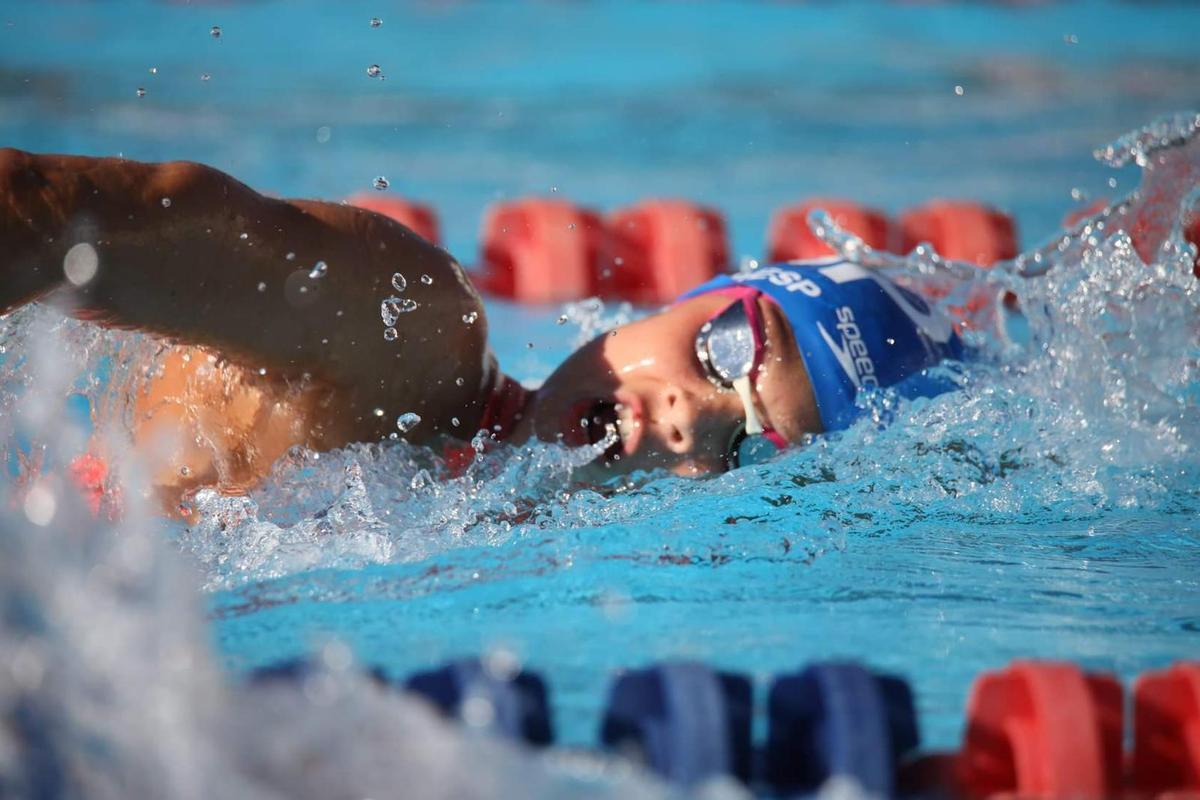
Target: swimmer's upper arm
[(187, 251)]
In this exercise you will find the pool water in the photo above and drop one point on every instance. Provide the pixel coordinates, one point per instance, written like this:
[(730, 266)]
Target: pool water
[(1047, 509)]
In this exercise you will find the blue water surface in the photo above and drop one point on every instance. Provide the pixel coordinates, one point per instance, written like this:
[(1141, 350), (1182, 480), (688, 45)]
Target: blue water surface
[(977, 529)]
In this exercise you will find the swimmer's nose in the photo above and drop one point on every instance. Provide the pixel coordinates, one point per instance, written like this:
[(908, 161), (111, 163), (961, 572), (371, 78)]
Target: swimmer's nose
[(684, 421)]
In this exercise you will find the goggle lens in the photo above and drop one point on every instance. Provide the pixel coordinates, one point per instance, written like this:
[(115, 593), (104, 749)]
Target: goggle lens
[(725, 346)]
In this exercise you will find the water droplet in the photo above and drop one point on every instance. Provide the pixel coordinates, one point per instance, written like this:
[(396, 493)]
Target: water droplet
[(40, 505), (399, 283), (141, 92), (428, 281), (204, 76), (470, 317), (618, 261), (80, 263), (562, 319), (407, 421), (166, 202), (389, 334), (262, 370), (262, 286), (958, 90), (376, 22), (215, 32), (459, 381), (318, 271), (380, 183), (391, 309), (374, 71)]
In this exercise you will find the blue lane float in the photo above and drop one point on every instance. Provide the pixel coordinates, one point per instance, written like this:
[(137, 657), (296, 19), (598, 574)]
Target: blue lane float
[(683, 720), (838, 720), (514, 706)]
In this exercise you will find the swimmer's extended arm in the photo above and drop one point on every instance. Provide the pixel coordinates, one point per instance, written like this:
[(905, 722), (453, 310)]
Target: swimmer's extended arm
[(186, 251)]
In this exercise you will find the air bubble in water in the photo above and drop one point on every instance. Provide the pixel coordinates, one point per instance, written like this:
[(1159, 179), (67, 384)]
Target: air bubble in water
[(391, 309), (290, 256), (374, 71), (470, 317), (379, 412), (318, 271), (459, 381), (454, 421), (166, 202), (428, 281), (380, 183), (141, 92), (262, 286), (958, 90), (407, 421), (154, 70), (389, 334), (376, 22), (562, 319), (204, 76), (215, 32), (399, 283)]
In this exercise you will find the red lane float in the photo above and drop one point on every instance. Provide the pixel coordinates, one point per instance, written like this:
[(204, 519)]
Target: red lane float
[(658, 249), (961, 230), (1166, 731), (1042, 729), (417, 217), (541, 251), (790, 238)]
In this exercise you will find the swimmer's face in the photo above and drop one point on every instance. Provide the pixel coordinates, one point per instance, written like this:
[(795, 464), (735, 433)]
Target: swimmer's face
[(645, 378)]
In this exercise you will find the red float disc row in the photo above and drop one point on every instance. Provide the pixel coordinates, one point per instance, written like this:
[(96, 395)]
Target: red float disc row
[(1050, 730), (551, 251)]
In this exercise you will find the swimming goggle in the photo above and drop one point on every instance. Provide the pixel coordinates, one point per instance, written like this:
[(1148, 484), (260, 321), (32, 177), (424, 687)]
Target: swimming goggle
[(730, 347)]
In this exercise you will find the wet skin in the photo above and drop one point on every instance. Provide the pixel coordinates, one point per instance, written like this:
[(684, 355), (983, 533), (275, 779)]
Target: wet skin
[(669, 415), (249, 372), (260, 357)]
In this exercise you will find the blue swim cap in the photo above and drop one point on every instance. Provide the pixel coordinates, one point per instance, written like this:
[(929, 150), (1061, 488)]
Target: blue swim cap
[(855, 329)]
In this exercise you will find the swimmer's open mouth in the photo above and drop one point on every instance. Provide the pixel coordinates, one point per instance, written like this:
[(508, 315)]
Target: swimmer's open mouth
[(601, 418)]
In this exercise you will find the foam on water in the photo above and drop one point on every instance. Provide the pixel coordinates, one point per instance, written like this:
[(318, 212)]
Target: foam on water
[(1080, 409)]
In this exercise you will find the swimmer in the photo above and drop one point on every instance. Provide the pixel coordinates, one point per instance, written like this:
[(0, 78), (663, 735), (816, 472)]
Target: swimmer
[(273, 309)]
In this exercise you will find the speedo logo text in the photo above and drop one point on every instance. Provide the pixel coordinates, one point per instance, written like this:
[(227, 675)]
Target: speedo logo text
[(851, 352)]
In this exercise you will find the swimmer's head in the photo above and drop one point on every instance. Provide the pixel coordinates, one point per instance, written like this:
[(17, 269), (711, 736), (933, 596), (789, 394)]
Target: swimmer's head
[(828, 329)]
